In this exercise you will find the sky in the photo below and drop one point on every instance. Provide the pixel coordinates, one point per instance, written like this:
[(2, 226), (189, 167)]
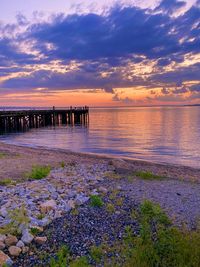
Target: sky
[(99, 53)]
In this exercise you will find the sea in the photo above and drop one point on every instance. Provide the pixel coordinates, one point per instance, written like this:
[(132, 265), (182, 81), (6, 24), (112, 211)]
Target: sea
[(167, 134)]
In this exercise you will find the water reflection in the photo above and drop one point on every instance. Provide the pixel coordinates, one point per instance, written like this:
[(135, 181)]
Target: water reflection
[(163, 134)]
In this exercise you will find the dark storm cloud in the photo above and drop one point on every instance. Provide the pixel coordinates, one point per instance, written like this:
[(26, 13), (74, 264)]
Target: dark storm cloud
[(77, 79), (179, 75), (102, 43)]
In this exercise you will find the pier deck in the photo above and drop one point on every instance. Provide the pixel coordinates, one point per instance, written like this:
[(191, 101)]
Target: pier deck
[(35, 118)]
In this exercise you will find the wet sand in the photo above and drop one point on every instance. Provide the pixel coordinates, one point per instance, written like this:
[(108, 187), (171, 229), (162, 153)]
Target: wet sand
[(16, 161)]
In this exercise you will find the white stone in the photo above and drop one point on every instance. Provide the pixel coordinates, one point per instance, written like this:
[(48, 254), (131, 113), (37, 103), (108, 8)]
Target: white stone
[(48, 206), (20, 244), (27, 238)]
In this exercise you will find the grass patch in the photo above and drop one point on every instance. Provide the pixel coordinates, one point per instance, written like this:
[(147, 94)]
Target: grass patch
[(35, 231), (148, 175), (62, 164), (96, 253), (112, 175), (159, 244), (17, 217), (110, 208), (7, 181), (96, 201), (38, 172), (2, 155), (40, 216), (63, 259)]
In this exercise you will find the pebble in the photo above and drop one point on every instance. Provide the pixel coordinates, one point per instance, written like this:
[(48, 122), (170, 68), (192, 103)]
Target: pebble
[(11, 240), (20, 244), (27, 237), (2, 245), (14, 251), (48, 206), (5, 259), (48, 199), (40, 240)]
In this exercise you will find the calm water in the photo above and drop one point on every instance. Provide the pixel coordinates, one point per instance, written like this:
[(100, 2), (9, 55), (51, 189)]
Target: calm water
[(161, 134)]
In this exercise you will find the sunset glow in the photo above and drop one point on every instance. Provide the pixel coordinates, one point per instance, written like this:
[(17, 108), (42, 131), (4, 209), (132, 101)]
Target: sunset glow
[(107, 54)]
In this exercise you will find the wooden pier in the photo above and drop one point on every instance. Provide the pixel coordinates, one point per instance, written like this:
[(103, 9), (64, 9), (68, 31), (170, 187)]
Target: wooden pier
[(17, 120)]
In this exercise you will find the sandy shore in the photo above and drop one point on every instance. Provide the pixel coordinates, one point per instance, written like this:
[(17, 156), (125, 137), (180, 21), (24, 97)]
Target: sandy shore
[(16, 161), (73, 179)]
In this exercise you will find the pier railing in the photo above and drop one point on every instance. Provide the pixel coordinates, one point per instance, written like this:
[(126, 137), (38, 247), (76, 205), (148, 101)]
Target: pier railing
[(34, 118)]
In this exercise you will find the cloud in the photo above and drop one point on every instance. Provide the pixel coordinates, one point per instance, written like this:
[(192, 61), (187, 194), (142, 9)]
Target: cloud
[(170, 6), (125, 47), (124, 100)]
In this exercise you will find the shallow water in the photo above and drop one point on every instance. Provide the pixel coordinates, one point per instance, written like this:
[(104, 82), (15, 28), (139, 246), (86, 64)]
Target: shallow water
[(161, 134)]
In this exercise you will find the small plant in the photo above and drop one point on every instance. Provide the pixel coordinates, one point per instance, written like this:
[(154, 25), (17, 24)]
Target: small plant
[(62, 164), (6, 181), (39, 172), (75, 212), (79, 262), (112, 175), (35, 231), (17, 217), (134, 214), (61, 259), (110, 208), (40, 216), (2, 155), (148, 175), (96, 253), (119, 201), (96, 201)]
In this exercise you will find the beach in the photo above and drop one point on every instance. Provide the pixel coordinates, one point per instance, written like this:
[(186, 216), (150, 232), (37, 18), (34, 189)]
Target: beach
[(71, 180)]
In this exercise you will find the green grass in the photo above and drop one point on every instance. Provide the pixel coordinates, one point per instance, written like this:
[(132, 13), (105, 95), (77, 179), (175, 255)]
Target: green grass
[(148, 175), (96, 201), (35, 231), (63, 259), (62, 164), (96, 252), (40, 216), (159, 244), (17, 217), (110, 208), (2, 155), (6, 181), (112, 175), (38, 172)]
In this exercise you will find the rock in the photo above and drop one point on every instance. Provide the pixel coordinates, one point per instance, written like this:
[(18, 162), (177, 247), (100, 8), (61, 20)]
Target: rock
[(103, 189), (121, 166), (40, 239), (11, 240), (48, 206), (44, 222), (27, 238), (3, 212), (81, 199), (2, 238), (2, 245), (5, 260), (14, 251), (71, 203), (58, 214), (20, 244), (25, 249)]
